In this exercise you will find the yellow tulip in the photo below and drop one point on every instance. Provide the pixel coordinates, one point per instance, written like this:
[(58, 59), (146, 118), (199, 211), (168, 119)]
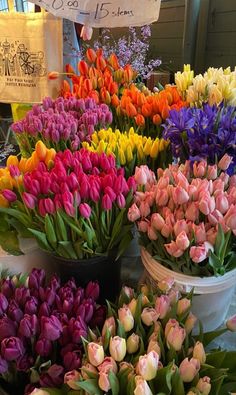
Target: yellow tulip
[(122, 157), (6, 182), (3, 202), (162, 145), (41, 150), (155, 148), (140, 152), (129, 154), (12, 160), (147, 146), (22, 165), (101, 147), (51, 153)]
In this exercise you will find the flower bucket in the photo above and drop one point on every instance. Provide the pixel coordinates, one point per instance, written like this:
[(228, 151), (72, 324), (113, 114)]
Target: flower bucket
[(212, 295), (104, 269), (133, 249)]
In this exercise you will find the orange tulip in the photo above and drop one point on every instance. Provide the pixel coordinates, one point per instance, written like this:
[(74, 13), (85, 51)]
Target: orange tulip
[(53, 75), (125, 100), (99, 52), (65, 86), (88, 85), (100, 63), (83, 67), (100, 82), (147, 110), (22, 165), (3, 202), (140, 120), (156, 119), (93, 72), (69, 70), (12, 160), (113, 88), (131, 110), (41, 150), (115, 101), (94, 82), (113, 60), (94, 95), (128, 75), (105, 96), (141, 99), (165, 112), (91, 55)]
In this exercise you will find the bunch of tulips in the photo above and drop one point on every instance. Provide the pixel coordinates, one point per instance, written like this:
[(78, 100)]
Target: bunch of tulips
[(186, 217), (146, 347), (213, 87), (78, 207), (146, 112), (61, 124), (98, 78), (129, 148), (41, 328)]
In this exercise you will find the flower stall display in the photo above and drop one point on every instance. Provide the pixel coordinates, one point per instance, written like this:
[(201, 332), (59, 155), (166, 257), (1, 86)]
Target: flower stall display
[(76, 210), (41, 328), (146, 347), (213, 87), (202, 133), (61, 124), (186, 221), (130, 149)]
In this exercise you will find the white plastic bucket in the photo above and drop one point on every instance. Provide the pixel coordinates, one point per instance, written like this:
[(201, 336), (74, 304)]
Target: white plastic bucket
[(212, 295)]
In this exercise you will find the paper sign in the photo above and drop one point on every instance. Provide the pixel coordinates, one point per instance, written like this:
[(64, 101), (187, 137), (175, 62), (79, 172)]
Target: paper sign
[(113, 13)]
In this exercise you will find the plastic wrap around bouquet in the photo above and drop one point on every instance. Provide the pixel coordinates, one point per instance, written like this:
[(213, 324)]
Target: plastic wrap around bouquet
[(186, 221)]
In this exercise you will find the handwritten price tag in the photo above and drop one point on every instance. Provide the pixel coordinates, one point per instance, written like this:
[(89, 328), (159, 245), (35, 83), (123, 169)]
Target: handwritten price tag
[(113, 13)]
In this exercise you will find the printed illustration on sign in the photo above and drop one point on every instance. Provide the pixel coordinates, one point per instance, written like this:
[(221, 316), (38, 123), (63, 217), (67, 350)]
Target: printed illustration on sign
[(17, 61)]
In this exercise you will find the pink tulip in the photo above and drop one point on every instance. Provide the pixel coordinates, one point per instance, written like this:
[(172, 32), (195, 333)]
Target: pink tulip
[(174, 295), (198, 254), (183, 305), (141, 175), (103, 382), (181, 180), (143, 226), (41, 207), (199, 169), (144, 209), (225, 162), (85, 210), (117, 348), (230, 218), (121, 202), (180, 195), (162, 197), (190, 323), (94, 193), (182, 241), (69, 209), (231, 324), (151, 232), (212, 172), (175, 337), (162, 305), (110, 325), (181, 226), (9, 195), (108, 364), (199, 233), (95, 353), (14, 171), (211, 235), (166, 284), (232, 181), (193, 192), (71, 378), (110, 192), (49, 206), (188, 369), (142, 387), (147, 365), (222, 203), (106, 202), (207, 204), (218, 184), (157, 221), (133, 213), (166, 230), (173, 249), (149, 198), (126, 318), (29, 200), (149, 315), (163, 182), (204, 385), (215, 217), (179, 214), (192, 212)]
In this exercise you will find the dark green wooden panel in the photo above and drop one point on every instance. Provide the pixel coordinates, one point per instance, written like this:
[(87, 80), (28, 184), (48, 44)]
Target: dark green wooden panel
[(168, 30), (223, 5), (222, 21)]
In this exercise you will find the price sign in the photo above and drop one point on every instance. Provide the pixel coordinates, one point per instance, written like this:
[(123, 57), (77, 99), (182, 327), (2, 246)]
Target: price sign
[(113, 13)]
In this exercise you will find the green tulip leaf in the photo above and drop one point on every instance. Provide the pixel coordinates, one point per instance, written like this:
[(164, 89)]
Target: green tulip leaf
[(114, 383), (50, 233), (10, 243), (41, 239), (121, 330), (61, 228), (90, 386)]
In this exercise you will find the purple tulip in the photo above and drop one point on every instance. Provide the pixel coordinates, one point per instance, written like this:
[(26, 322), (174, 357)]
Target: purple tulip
[(3, 366), (72, 181), (41, 207), (29, 326), (24, 363), (92, 290), (51, 328), (98, 317), (14, 171), (29, 200), (67, 348), (12, 348), (7, 287), (37, 278), (108, 118), (54, 377), (65, 338), (79, 296), (120, 200), (85, 210), (7, 328), (9, 195), (22, 294), (47, 295), (14, 312), (43, 347), (110, 192), (106, 202), (94, 193), (44, 310), (49, 206), (55, 283), (72, 360), (86, 310), (77, 328), (3, 304), (69, 209), (63, 318), (31, 306), (69, 284)]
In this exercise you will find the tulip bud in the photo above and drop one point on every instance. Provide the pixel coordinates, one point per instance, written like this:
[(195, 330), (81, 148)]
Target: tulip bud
[(149, 316), (199, 352), (117, 348), (95, 354), (43, 347), (71, 378), (154, 346), (109, 324), (132, 306), (188, 369), (87, 368), (29, 326), (85, 210), (175, 336), (126, 318), (92, 290), (103, 382), (3, 304), (142, 387), (231, 324), (183, 306), (166, 284), (53, 75), (204, 385), (162, 305), (51, 328), (147, 365), (190, 322), (132, 343)]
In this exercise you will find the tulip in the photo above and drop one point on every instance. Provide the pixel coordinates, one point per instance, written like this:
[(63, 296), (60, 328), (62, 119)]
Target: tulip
[(92, 290), (43, 347), (7, 328), (192, 212), (188, 369), (162, 306), (103, 382), (3, 366), (207, 204), (29, 326), (198, 254), (199, 352), (9, 195), (212, 172), (231, 324), (37, 278), (72, 360), (157, 221), (149, 316), (190, 323), (132, 306), (183, 306), (142, 387), (71, 378), (109, 325), (173, 249), (3, 304), (51, 328), (126, 318), (133, 213), (199, 169), (7, 287), (12, 348), (95, 353), (166, 284), (29, 200), (225, 162), (53, 377), (117, 348), (14, 312), (86, 310), (77, 328), (31, 306), (22, 294), (147, 365), (179, 226), (175, 337), (132, 343), (153, 345), (204, 385), (108, 364), (182, 241), (180, 195)]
